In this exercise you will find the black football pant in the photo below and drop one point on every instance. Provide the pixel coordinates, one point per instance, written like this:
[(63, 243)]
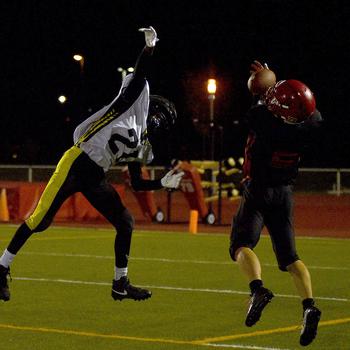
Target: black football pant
[(265, 206), (76, 172)]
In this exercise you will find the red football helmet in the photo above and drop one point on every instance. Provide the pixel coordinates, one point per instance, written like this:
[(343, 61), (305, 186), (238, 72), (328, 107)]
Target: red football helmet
[(290, 100)]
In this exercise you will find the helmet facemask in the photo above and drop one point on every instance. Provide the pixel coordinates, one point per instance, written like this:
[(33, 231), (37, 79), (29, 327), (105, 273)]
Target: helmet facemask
[(161, 117)]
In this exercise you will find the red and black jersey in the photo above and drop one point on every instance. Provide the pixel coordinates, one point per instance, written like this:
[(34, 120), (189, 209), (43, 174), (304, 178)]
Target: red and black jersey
[(274, 148)]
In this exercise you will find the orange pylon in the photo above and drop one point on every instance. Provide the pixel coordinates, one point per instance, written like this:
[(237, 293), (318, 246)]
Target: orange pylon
[(4, 210), (193, 224)]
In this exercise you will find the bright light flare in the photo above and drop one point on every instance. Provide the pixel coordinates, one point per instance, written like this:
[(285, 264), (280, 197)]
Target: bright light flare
[(62, 99), (78, 58), (211, 87)]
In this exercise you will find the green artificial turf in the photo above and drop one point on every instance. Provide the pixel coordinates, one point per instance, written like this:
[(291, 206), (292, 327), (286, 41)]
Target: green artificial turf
[(61, 282)]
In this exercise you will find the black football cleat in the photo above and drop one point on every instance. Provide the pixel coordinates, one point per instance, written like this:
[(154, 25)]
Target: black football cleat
[(122, 289), (308, 332), (259, 299), (4, 287)]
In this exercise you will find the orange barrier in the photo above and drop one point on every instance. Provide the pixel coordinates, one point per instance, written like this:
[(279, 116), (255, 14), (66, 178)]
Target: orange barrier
[(22, 198), (314, 214), (145, 199), (192, 189)]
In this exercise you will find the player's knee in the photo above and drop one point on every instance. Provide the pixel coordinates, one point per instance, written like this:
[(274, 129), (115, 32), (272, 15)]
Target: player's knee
[(232, 253), (37, 224), (43, 225), (234, 250), (285, 261)]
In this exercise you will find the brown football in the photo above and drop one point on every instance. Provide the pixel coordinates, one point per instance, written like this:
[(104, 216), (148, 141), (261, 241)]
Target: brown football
[(260, 81)]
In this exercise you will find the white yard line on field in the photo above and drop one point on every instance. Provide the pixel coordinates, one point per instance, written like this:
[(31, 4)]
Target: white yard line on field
[(200, 290), (166, 260), (241, 346)]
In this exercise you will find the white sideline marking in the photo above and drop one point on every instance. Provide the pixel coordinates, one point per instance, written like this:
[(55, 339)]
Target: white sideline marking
[(208, 262), (240, 346), (204, 290)]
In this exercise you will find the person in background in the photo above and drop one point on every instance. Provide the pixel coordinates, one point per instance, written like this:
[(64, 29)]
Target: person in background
[(118, 133), (281, 122)]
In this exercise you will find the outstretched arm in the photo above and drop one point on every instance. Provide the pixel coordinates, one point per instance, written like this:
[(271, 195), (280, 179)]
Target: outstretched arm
[(142, 65), (171, 180)]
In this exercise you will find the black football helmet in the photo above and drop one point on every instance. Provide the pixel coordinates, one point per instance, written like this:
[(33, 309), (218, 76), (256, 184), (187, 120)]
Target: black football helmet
[(161, 115)]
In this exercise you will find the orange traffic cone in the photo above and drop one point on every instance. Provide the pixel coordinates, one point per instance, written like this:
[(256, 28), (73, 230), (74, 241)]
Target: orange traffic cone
[(4, 210)]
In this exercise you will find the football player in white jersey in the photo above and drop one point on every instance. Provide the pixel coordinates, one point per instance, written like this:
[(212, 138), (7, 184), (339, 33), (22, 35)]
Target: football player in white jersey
[(116, 133)]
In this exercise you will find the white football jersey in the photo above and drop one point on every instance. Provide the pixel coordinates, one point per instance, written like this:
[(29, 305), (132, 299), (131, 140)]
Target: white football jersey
[(112, 136)]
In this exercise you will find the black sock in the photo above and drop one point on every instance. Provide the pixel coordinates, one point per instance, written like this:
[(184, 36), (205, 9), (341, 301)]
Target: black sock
[(307, 303), (122, 247), (254, 285)]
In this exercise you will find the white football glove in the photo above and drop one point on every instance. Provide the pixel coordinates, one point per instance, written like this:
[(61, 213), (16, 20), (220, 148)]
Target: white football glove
[(172, 179), (150, 36)]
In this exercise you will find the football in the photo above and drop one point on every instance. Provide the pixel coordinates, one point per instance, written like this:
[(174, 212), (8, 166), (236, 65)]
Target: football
[(260, 81)]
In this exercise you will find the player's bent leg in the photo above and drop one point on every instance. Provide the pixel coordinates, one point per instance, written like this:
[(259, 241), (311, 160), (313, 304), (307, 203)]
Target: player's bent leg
[(21, 236), (301, 278), (249, 264), (311, 316), (107, 201), (122, 289), (59, 188)]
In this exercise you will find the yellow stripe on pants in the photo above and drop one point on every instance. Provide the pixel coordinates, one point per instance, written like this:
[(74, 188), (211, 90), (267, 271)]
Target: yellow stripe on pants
[(52, 188)]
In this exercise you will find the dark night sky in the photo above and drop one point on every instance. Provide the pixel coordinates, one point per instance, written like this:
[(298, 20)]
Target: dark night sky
[(304, 40)]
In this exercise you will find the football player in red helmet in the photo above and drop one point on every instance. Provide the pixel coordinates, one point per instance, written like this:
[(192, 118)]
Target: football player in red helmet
[(290, 100), (281, 122)]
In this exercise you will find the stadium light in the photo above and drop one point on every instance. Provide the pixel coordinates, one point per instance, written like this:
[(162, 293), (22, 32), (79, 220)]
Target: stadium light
[(124, 71), (79, 58), (62, 99), (211, 87)]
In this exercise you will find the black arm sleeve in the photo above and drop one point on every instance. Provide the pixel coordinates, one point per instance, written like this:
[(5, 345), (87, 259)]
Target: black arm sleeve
[(143, 63), (309, 132), (133, 89), (140, 184), (259, 119), (141, 69)]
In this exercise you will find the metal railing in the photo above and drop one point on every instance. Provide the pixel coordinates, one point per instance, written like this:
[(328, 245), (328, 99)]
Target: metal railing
[(330, 180), (325, 180), (42, 173)]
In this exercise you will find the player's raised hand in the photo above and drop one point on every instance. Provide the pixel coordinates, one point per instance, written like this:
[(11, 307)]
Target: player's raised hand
[(257, 66), (150, 36), (261, 78)]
